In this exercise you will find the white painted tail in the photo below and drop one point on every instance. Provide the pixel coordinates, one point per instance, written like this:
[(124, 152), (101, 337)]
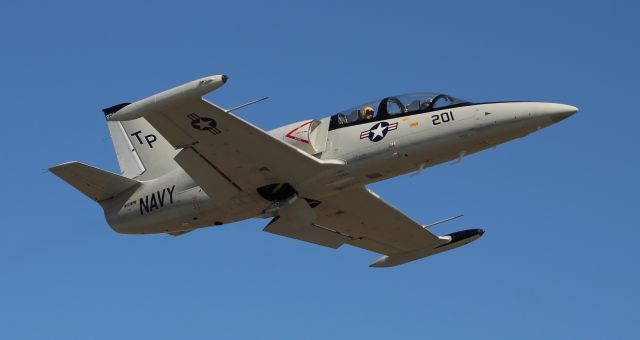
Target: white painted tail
[(142, 152)]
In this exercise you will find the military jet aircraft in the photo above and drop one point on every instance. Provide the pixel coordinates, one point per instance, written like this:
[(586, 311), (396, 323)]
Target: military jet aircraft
[(187, 163)]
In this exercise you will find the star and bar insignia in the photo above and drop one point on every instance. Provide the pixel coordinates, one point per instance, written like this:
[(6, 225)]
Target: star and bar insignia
[(204, 123), (377, 132)]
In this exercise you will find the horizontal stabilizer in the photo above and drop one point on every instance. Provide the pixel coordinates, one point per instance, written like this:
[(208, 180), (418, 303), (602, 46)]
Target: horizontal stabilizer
[(99, 185)]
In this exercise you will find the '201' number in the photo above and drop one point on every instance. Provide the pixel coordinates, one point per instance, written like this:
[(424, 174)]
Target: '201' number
[(444, 117)]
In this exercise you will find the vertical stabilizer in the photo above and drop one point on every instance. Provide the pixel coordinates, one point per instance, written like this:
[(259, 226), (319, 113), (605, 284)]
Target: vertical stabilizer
[(141, 151)]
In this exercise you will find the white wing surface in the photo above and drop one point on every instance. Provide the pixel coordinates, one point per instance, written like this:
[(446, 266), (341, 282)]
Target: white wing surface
[(360, 218), (216, 141), (372, 223)]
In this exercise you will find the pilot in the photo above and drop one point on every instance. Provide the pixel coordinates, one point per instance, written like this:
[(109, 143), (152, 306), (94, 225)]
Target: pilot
[(426, 104), (366, 113)]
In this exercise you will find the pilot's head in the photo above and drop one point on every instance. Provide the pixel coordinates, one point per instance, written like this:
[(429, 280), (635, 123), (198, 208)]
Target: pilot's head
[(366, 113)]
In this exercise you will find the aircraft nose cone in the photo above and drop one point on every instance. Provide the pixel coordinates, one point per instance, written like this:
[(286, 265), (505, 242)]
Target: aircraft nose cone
[(562, 111)]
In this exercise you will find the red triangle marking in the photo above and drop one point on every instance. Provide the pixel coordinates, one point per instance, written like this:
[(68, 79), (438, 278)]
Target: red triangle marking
[(290, 134)]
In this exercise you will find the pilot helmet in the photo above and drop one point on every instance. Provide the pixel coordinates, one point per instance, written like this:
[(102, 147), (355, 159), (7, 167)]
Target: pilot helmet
[(367, 112)]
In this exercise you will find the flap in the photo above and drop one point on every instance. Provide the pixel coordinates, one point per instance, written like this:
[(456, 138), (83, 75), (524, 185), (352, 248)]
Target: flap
[(208, 176), (296, 221)]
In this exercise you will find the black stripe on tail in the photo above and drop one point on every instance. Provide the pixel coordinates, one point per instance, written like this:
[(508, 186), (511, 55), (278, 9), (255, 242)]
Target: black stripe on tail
[(111, 110)]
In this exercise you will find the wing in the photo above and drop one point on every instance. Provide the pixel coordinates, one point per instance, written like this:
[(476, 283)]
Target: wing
[(360, 218), (243, 154), (214, 140), (372, 223)]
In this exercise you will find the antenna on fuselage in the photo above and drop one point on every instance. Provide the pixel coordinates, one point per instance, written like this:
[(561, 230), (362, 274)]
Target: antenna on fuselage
[(246, 104)]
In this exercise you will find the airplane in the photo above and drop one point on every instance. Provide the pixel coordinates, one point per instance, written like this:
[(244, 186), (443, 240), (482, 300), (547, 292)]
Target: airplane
[(187, 163)]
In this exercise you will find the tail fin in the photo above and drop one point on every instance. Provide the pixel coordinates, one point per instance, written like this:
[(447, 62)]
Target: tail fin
[(142, 152), (99, 185)]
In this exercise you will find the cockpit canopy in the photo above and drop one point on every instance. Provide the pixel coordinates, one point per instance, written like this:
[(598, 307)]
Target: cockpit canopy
[(401, 105)]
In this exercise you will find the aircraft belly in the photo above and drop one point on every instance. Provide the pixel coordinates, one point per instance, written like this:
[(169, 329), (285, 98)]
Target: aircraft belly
[(175, 203)]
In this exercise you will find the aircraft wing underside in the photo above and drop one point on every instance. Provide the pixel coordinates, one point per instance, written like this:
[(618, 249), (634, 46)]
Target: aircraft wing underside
[(372, 223), (216, 141), (360, 218)]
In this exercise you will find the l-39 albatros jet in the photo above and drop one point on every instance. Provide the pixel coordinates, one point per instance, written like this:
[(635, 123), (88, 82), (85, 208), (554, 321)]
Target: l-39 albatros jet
[(187, 164)]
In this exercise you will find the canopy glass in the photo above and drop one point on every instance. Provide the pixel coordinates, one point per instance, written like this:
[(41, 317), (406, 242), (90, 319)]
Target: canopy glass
[(388, 107)]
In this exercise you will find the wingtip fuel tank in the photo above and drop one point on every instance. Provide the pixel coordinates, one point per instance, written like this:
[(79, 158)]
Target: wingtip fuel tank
[(176, 95)]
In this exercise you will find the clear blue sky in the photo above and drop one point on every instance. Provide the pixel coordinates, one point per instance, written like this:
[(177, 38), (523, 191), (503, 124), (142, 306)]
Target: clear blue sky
[(559, 259)]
